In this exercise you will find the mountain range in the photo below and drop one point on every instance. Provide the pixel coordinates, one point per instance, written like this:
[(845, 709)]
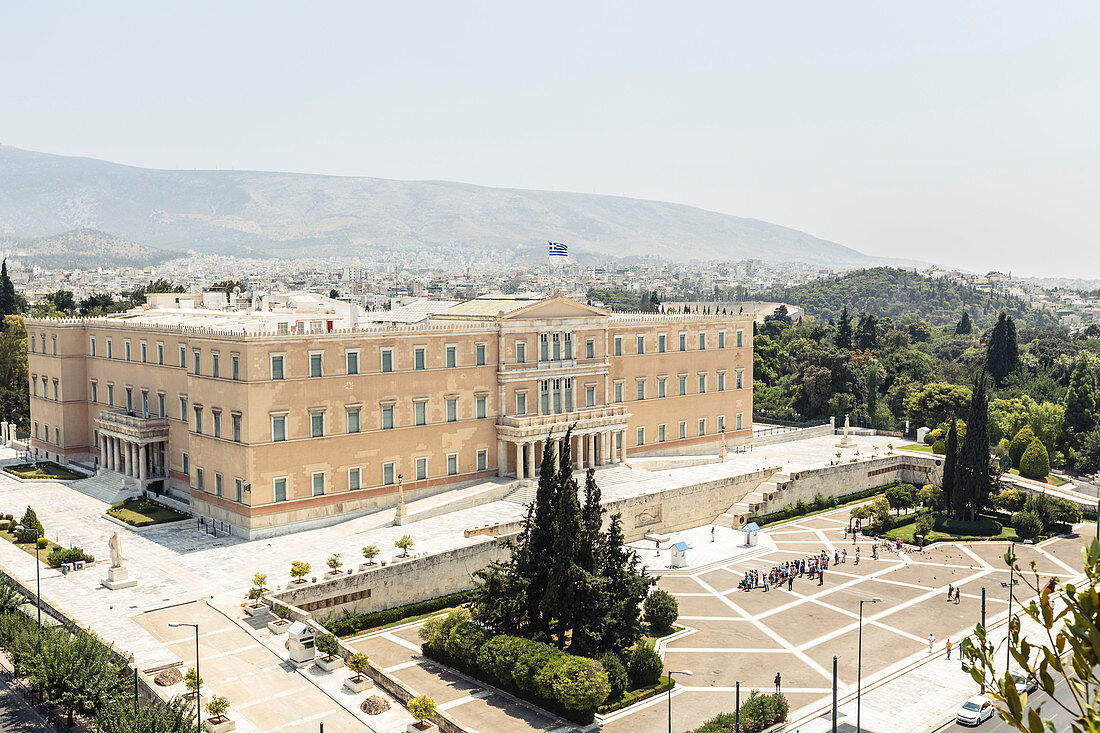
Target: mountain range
[(261, 214)]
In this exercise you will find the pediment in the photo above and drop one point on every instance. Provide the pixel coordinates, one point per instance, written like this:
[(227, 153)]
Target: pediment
[(557, 306)]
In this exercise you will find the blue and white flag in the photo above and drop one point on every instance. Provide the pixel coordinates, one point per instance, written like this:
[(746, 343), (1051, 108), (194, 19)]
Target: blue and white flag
[(558, 250)]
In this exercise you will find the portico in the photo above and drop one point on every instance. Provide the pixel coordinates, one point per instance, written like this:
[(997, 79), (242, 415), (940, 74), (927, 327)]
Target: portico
[(136, 447), (597, 439)]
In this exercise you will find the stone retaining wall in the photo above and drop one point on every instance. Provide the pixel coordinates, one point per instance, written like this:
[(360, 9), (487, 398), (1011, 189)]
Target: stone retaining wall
[(797, 434), (848, 478)]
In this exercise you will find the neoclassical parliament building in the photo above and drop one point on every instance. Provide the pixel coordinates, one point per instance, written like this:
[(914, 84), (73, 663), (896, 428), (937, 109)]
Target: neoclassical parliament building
[(277, 412)]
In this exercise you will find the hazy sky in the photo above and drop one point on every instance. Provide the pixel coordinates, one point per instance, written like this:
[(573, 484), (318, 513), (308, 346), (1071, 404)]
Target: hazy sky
[(962, 133)]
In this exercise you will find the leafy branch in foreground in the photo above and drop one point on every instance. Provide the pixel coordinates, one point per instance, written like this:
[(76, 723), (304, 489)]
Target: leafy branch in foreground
[(1070, 618)]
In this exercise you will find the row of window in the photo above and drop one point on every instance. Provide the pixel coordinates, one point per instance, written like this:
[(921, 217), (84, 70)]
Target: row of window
[(662, 385), (682, 429), (46, 436), (353, 413), (662, 342), (45, 387)]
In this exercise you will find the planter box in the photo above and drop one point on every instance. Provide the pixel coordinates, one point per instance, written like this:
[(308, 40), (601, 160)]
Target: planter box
[(329, 663), (415, 727), (278, 626), (364, 566), (358, 685), (256, 609), (333, 574), (221, 727)]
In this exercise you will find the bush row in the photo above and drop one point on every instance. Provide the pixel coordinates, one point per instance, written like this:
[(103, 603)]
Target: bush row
[(352, 622), (759, 712), (820, 502), (62, 555)]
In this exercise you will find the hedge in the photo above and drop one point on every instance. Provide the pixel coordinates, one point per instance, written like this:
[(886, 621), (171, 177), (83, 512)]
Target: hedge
[(802, 508), (633, 696), (352, 622), (44, 471)]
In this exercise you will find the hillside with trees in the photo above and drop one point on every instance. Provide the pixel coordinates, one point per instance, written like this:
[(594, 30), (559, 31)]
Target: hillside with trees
[(895, 293)]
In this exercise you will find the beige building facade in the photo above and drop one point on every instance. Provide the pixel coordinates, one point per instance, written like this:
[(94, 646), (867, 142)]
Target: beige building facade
[(274, 420)]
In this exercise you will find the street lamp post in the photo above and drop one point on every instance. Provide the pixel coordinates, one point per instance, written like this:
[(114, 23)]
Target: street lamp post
[(670, 672), (37, 572), (859, 662), (198, 677)]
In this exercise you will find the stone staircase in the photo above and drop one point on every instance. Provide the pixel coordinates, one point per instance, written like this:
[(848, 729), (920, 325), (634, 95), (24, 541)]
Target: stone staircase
[(523, 494), (752, 502), (606, 477), (108, 487)]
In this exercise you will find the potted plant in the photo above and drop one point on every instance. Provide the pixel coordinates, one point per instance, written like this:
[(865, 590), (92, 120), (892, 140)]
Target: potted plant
[(218, 722), (256, 608), (404, 543), (193, 683), (358, 682), (421, 707), (279, 625), (299, 570), (330, 648), (334, 563), (369, 552)]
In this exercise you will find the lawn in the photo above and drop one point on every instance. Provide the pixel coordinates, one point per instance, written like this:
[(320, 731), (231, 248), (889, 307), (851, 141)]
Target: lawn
[(144, 513), (982, 529), (28, 547), (45, 470), (917, 447), (1052, 480)]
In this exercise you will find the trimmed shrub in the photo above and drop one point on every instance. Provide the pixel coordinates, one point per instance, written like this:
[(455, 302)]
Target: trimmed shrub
[(1027, 524), (924, 524), (1019, 444), (421, 707), (498, 658), (327, 645), (43, 543), (661, 610), (645, 665), (351, 622), (939, 447), (464, 642), (578, 683), (1035, 463), (534, 656), (616, 675), (59, 556), (32, 528), (762, 711), (1010, 500), (931, 496)]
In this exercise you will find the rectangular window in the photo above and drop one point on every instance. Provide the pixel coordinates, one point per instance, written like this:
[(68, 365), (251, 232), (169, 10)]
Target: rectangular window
[(544, 347), (721, 339), (590, 348), (641, 344), (54, 340), (387, 360), (354, 476), (183, 408), (217, 484), (568, 346), (702, 426), (387, 417), (481, 406), (388, 474), (144, 352), (236, 428), (683, 342), (419, 357), (721, 381), (215, 365), (93, 345), (183, 356), (739, 379), (639, 388), (316, 424), (618, 391), (236, 360), (238, 490), (144, 403), (661, 433), (662, 387), (160, 354), (278, 428), (55, 397), (479, 354), (129, 399), (319, 484), (421, 469), (452, 356), (198, 420), (217, 424), (277, 371), (683, 429), (126, 348), (482, 460), (280, 489), (555, 344), (639, 438), (618, 346), (721, 423), (95, 391), (590, 395), (452, 464), (452, 410), (186, 465), (353, 420), (661, 338), (197, 361), (740, 338), (683, 385), (111, 350), (162, 410), (420, 413), (521, 352), (738, 420), (314, 365), (521, 403), (352, 358), (200, 479), (702, 340), (702, 383)]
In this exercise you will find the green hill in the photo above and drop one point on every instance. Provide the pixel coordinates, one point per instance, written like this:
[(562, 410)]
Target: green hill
[(888, 291)]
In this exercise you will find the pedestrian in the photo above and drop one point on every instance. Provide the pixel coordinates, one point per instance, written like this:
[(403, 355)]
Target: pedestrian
[(844, 556), (790, 582), (857, 556), (658, 553), (778, 679), (958, 594), (836, 557), (950, 591), (948, 650), (931, 642), (821, 576), (712, 533)]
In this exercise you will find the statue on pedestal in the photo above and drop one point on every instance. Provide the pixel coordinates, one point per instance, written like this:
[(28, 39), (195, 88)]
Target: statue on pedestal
[(115, 545), (846, 441), (399, 515)]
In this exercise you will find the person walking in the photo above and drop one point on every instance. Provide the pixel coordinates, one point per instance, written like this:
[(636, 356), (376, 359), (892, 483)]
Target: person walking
[(712, 533), (931, 642), (950, 591), (821, 576), (857, 556), (778, 679), (948, 650), (658, 553), (844, 555), (958, 594), (790, 582)]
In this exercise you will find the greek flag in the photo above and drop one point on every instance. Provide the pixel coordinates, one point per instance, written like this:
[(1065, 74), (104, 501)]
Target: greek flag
[(558, 250)]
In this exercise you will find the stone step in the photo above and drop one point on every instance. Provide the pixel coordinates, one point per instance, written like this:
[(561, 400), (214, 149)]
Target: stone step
[(108, 487)]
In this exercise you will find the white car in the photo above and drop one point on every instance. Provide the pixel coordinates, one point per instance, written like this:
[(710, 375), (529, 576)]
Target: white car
[(1023, 684), (975, 711)]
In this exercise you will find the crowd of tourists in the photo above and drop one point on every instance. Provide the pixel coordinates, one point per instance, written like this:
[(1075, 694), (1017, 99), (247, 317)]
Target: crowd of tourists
[(810, 567)]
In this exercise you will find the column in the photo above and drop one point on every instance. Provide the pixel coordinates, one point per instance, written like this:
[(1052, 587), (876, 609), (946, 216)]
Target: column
[(103, 451), (143, 469), (589, 450), (519, 460), (112, 449), (502, 459), (622, 445), (130, 467), (529, 451)]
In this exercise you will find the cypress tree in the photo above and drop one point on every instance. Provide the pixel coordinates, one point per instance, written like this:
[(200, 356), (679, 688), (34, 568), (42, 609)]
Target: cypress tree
[(844, 330), (540, 541), (965, 326), (1081, 401), (866, 336), (951, 494), (7, 292), (1003, 354), (559, 601), (975, 475)]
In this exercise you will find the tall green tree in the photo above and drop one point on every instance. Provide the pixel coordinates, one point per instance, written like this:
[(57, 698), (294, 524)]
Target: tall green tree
[(1081, 398), (844, 330), (8, 304), (975, 475), (866, 336), (1003, 353), (559, 601), (965, 326), (120, 716), (77, 671), (953, 499), (14, 377)]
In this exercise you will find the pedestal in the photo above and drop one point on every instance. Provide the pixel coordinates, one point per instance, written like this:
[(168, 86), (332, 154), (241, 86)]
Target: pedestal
[(118, 578)]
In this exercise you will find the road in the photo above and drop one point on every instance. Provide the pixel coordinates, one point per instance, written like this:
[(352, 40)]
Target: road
[(15, 715), (1051, 710)]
